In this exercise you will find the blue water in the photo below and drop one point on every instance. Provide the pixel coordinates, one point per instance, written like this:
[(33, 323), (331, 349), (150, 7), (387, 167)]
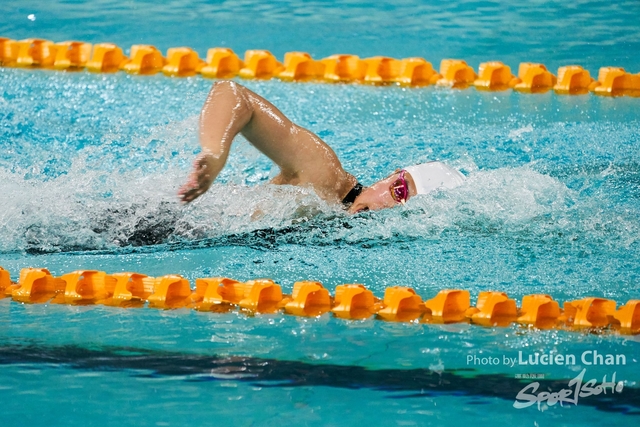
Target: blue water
[(90, 165)]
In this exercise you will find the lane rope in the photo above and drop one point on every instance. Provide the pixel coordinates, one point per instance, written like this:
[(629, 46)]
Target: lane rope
[(311, 298), (223, 63)]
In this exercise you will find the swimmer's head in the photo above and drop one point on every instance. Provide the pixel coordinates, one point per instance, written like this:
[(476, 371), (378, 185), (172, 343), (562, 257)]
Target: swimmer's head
[(406, 183), (395, 189)]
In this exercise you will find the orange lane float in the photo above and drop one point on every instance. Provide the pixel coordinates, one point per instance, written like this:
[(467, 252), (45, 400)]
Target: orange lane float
[(456, 74), (310, 298), (221, 63), (416, 72), (493, 309), (217, 293), (401, 304), (106, 58), (144, 59), (299, 66), (262, 296), (36, 285), (72, 55), (86, 286), (539, 310), (588, 313), (354, 301), (260, 64), (494, 76), (449, 306), (343, 68), (533, 78), (5, 282), (573, 80), (128, 290), (170, 291), (628, 317)]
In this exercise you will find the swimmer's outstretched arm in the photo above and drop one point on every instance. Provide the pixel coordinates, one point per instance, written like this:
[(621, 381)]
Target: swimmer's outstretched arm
[(301, 156)]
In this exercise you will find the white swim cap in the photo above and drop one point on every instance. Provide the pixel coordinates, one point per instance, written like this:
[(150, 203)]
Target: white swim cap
[(431, 176)]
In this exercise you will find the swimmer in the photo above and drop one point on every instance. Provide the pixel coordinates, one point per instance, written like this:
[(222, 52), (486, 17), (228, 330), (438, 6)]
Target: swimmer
[(303, 158)]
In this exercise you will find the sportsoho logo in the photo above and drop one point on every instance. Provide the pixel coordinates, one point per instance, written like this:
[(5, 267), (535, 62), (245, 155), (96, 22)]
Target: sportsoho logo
[(577, 388)]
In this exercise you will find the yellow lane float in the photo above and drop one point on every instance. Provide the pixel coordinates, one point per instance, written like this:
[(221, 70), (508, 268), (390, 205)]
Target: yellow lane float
[(260, 64), (34, 53), (300, 66), (381, 70), (534, 78), (416, 72), (343, 68), (143, 59), (8, 52), (182, 62), (615, 81), (72, 55), (223, 63), (106, 58), (494, 76), (456, 74), (573, 79)]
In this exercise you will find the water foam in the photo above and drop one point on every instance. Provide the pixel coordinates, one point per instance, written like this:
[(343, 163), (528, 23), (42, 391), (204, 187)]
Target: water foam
[(94, 207), (86, 179)]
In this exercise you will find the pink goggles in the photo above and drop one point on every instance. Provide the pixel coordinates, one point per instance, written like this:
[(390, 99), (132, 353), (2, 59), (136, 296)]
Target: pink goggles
[(400, 189)]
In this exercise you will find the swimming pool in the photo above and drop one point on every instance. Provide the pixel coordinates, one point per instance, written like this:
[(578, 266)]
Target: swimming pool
[(90, 165)]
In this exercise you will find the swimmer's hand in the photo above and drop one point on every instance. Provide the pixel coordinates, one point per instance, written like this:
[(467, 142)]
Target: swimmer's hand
[(201, 178)]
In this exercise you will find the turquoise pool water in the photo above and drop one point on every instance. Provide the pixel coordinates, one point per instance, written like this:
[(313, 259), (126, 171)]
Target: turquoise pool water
[(90, 165)]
